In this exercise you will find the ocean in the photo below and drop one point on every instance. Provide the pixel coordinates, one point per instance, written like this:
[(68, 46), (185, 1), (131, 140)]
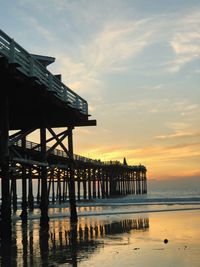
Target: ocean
[(162, 196)]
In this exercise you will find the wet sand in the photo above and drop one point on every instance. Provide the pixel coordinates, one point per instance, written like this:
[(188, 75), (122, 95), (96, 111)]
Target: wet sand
[(108, 240), (146, 247)]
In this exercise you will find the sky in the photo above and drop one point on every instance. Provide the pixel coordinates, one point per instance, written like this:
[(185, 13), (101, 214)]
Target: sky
[(136, 62)]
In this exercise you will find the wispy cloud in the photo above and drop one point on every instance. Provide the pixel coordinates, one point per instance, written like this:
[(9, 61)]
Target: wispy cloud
[(178, 135), (107, 51), (155, 87), (113, 43), (119, 42), (163, 105), (186, 41), (43, 31)]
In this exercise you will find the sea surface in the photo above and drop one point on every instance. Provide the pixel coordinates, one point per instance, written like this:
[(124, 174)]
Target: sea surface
[(161, 196)]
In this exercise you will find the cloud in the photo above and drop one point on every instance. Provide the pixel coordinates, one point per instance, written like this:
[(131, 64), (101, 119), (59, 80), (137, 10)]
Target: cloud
[(41, 30), (178, 135), (113, 47), (114, 40), (180, 61), (155, 87), (107, 51), (120, 41), (161, 160), (186, 41), (113, 43), (155, 104)]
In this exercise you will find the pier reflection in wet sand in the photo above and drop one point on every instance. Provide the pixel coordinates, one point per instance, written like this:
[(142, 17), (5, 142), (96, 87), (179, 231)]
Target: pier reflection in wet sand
[(62, 243)]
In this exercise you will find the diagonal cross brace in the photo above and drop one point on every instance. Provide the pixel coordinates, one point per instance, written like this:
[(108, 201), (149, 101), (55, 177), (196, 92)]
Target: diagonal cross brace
[(59, 142)]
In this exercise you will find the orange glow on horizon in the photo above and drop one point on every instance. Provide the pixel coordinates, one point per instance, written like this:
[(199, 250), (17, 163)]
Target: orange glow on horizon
[(159, 166), (162, 161)]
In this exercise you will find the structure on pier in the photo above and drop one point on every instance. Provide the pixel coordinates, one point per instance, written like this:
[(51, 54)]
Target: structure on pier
[(33, 98)]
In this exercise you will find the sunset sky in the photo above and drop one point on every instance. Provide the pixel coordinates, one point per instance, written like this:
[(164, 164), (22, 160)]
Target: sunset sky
[(136, 62)]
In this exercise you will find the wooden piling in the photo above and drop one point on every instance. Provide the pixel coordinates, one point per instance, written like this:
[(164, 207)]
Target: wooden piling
[(24, 185), (72, 197), (30, 190), (44, 219), (13, 188), (4, 164)]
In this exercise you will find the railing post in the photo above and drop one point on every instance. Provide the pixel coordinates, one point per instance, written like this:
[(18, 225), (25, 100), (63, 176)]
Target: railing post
[(31, 70), (50, 77), (77, 102), (12, 51), (86, 108), (65, 91)]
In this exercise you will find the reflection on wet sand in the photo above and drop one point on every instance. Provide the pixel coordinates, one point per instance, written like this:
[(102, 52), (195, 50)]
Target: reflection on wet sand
[(62, 243)]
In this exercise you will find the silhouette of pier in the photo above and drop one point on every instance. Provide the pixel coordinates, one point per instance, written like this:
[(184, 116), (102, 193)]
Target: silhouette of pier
[(32, 99)]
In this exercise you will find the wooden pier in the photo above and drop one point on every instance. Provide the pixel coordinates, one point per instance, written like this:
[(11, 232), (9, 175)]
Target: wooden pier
[(92, 178), (32, 99)]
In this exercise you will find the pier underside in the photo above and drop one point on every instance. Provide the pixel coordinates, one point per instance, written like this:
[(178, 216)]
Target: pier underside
[(32, 105), (26, 105)]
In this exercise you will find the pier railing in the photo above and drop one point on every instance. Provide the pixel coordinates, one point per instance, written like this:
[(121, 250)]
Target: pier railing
[(61, 153), (31, 67), (57, 152)]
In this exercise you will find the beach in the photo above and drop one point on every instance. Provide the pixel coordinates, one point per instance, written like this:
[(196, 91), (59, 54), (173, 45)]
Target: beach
[(165, 238), (146, 247), (160, 228)]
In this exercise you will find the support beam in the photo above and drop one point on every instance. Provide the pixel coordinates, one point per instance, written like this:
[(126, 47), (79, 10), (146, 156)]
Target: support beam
[(44, 219), (58, 140), (24, 186), (30, 190), (4, 164), (72, 198), (19, 135), (13, 189)]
